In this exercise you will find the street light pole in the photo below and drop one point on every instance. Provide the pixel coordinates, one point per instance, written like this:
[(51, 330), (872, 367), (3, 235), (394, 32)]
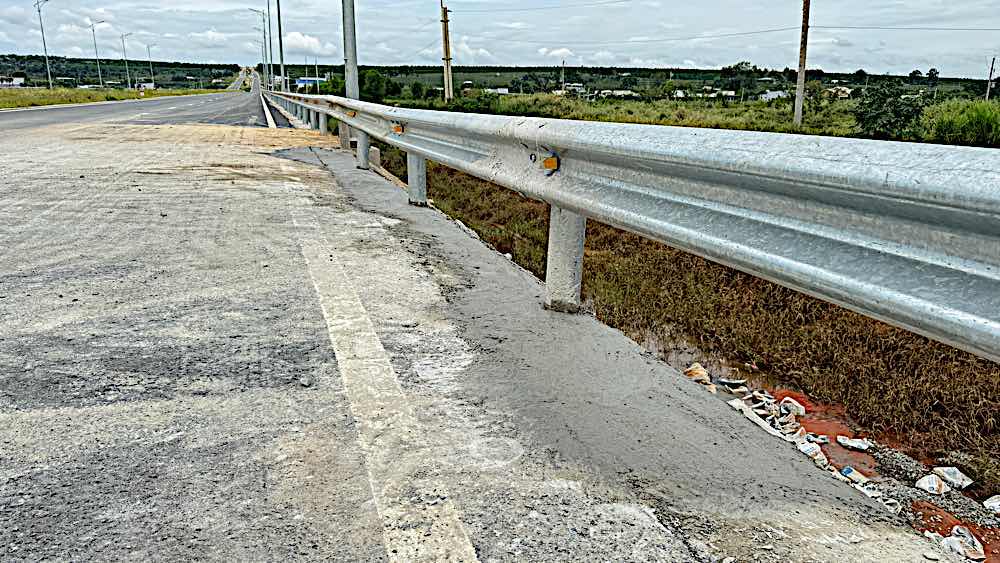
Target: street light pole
[(45, 47), (281, 50), (97, 55), (270, 46), (263, 43), (128, 77), (152, 77)]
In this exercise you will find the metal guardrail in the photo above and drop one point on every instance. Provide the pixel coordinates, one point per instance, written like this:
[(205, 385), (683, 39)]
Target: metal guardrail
[(905, 233)]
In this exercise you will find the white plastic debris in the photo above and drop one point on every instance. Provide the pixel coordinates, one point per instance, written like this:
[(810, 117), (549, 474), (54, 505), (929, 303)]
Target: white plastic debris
[(933, 485), (814, 452), (962, 542), (993, 503), (953, 477), (859, 444), (893, 505), (748, 412), (793, 406), (854, 475)]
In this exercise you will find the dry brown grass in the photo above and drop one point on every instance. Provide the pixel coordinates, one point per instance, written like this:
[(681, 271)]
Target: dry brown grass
[(929, 396)]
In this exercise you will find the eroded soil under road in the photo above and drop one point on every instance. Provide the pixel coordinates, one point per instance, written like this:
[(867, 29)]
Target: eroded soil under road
[(227, 343)]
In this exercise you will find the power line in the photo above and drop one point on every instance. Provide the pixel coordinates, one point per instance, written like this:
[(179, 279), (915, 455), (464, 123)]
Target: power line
[(882, 28), (538, 8), (664, 40)]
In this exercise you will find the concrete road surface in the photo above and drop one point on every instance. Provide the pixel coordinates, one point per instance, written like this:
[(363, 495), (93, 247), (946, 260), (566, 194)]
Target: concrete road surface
[(227, 343)]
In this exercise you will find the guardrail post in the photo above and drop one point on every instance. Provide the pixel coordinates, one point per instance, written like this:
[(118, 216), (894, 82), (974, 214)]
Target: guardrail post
[(324, 124), (564, 268), (362, 151), (344, 131), (314, 119), (416, 179)]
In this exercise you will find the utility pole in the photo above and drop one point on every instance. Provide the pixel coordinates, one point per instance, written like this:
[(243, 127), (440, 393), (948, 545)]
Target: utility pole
[(270, 47), (45, 47), (449, 85), (128, 77), (316, 62), (152, 77), (351, 76), (281, 51), (562, 77), (989, 81), (800, 86), (97, 55)]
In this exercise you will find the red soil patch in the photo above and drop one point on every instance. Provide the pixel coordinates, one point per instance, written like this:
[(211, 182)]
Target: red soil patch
[(936, 519), (832, 421)]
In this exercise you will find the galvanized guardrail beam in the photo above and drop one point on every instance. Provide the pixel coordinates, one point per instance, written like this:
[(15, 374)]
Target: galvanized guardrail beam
[(901, 232)]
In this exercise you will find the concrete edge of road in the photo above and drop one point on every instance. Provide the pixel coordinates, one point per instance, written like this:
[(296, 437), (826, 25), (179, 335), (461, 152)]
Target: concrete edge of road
[(267, 113), (56, 106), (295, 122)]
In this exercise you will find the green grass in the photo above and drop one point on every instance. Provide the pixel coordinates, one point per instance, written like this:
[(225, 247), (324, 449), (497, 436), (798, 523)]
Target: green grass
[(826, 118), (961, 122), (29, 97)]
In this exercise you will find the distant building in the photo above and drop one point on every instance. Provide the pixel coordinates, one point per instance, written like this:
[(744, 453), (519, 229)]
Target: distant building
[(576, 87), (680, 94), (308, 81), (839, 92), (618, 94), (499, 91), (11, 82), (765, 79), (771, 95)]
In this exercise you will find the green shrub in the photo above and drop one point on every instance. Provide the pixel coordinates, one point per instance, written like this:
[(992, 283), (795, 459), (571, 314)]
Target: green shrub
[(962, 122), (884, 113)]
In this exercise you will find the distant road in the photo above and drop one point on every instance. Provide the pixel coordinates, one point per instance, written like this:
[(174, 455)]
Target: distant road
[(230, 108)]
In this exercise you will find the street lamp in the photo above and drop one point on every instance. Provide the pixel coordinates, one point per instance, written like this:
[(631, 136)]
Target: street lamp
[(152, 77), (270, 47), (97, 55), (263, 45), (45, 48), (128, 77), (281, 50)]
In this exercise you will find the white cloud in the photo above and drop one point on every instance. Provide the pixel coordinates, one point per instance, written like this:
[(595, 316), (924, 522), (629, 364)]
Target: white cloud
[(560, 53), (515, 25), (300, 43)]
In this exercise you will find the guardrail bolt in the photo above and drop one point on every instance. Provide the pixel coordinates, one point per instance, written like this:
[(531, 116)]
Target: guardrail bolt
[(564, 267), (416, 179)]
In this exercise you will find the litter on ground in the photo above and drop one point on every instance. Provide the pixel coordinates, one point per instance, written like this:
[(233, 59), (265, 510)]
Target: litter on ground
[(933, 485), (859, 444), (955, 478), (962, 542)]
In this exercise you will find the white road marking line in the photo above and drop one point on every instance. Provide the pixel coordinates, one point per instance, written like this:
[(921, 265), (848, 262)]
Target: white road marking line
[(419, 520)]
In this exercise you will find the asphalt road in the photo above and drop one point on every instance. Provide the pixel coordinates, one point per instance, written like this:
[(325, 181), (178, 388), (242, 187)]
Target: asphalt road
[(228, 343), (229, 108)]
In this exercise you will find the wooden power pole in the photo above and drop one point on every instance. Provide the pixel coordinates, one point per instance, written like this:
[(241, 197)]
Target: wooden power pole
[(800, 86), (449, 85), (989, 81)]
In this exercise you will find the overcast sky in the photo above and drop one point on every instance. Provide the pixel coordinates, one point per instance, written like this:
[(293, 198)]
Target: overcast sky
[(492, 32)]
